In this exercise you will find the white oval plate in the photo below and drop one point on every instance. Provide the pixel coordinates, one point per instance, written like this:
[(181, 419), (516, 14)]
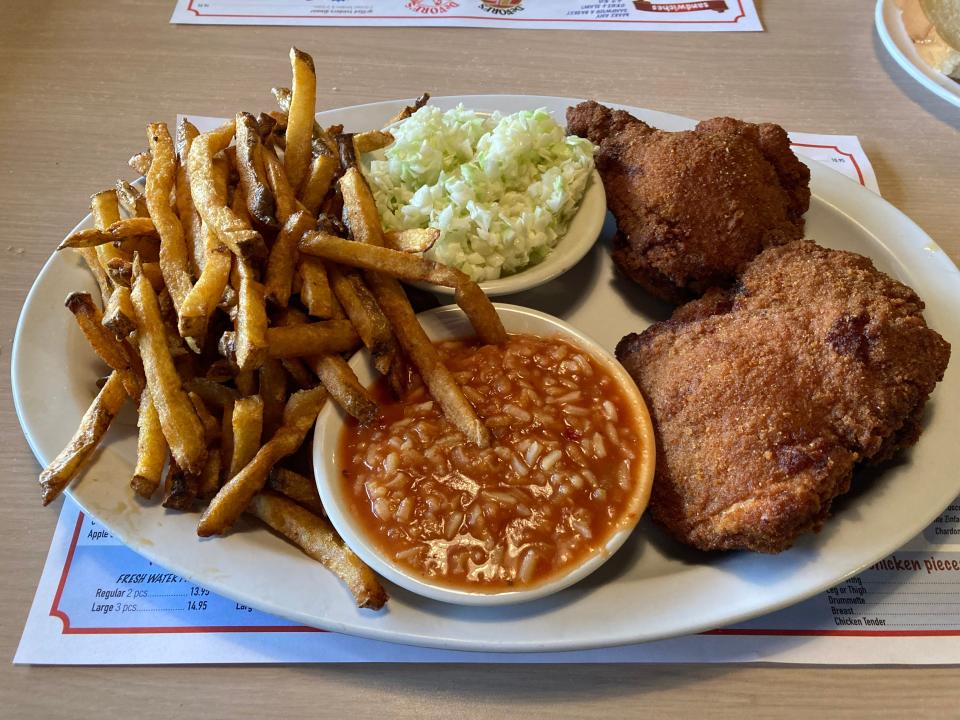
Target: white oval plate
[(895, 39), (652, 588)]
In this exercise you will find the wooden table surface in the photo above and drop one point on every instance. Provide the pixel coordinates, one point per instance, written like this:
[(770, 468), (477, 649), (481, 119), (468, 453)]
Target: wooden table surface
[(80, 80)]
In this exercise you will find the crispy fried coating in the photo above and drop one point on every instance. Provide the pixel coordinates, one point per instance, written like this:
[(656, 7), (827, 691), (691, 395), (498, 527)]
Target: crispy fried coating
[(767, 397), (693, 207)]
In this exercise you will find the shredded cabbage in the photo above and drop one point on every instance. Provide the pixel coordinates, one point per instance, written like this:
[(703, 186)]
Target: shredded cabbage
[(501, 189)]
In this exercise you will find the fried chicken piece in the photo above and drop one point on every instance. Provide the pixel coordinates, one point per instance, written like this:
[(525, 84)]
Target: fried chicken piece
[(767, 397), (692, 207)]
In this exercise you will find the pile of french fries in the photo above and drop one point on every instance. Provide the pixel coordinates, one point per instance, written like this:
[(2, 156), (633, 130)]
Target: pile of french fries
[(231, 290)]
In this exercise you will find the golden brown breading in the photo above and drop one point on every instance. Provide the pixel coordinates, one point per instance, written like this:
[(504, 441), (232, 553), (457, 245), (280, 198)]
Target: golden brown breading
[(692, 207), (765, 398)]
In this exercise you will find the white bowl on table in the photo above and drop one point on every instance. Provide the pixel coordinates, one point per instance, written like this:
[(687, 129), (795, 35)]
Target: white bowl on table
[(582, 233), (447, 323)]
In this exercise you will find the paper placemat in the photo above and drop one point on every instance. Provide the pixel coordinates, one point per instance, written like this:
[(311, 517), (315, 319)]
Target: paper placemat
[(650, 15)]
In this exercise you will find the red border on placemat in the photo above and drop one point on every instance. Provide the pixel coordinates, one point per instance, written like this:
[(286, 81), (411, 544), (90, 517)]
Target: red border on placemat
[(55, 611), (856, 165), (735, 20)]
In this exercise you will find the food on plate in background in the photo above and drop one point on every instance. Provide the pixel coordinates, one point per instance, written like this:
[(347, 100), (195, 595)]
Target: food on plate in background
[(934, 27), (570, 459), (766, 398), (693, 207), (501, 189)]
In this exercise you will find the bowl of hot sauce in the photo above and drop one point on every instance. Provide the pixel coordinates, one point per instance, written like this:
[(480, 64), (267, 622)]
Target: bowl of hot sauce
[(563, 484)]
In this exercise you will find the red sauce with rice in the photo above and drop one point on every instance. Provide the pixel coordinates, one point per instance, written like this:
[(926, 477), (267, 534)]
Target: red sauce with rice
[(555, 485)]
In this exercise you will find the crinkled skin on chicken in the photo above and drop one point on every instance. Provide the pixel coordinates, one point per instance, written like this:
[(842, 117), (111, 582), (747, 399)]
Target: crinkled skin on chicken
[(766, 397), (693, 207)]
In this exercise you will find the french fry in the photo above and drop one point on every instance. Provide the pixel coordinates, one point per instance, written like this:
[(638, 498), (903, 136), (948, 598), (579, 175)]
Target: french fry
[(233, 498), (316, 184), (344, 387), (272, 389), (283, 96), (147, 247), (253, 176), (315, 292), (252, 333), (483, 316), (140, 162), (105, 209), (347, 151), (300, 117), (316, 338), (151, 271), (151, 449), (366, 316), (181, 488), (174, 262), (243, 241), (280, 185), (265, 126), (422, 353), (226, 442), (212, 393), (119, 271), (247, 428), (209, 481), (178, 418), (94, 425), (220, 371), (416, 240), (298, 372), (189, 218), (410, 109), (211, 425), (124, 229), (178, 350), (371, 140), (279, 117), (317, 538), (297, 487), (86, 238), (246, 382), (205, 295), (360, 209), (395, 263), (229, 156), (89, 256), (199, 304), (131, 199), (282, 262), (337, 377), (105, 343), (118, 315)]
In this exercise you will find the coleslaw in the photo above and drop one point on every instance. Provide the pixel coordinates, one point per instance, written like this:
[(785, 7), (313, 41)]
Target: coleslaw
[(501, 189)]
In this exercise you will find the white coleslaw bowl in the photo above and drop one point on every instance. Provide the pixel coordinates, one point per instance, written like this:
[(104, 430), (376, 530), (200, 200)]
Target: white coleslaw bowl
[(576, 242), (582, 232)]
